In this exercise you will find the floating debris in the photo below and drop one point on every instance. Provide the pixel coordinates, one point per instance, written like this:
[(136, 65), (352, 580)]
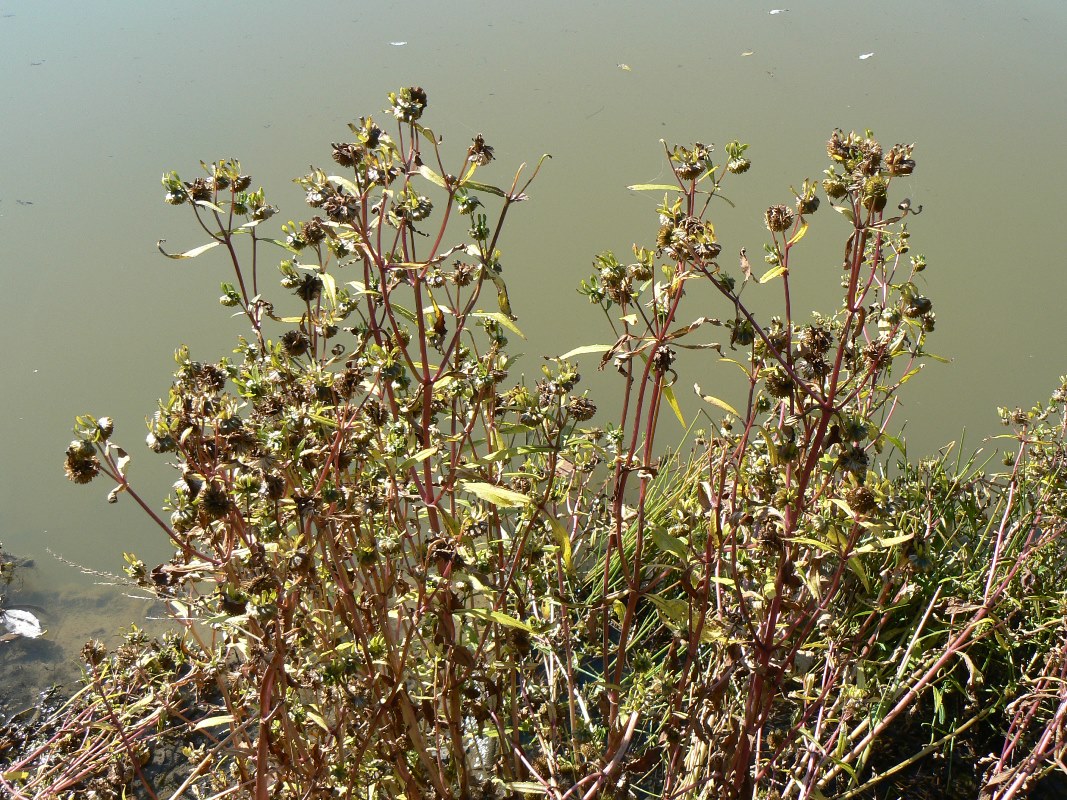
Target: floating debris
[(747, 53), (865, 56), (398, 44), (624, 67), (22, 623), (777, 10)]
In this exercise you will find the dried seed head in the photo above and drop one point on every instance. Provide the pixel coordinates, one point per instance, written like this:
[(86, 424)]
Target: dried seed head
[(242, 182), (479, 152), (918, 306), (214, 500), (663, 358), (838, 147), (862, 500), (737, 166), (581, 408), (309, 288), (199, 189), (778, 218), (347, 154), (341, 207), (312, 231), (272, 485), (898, 160), (779, 384), (81, 469), (94, 652), (409, 103)]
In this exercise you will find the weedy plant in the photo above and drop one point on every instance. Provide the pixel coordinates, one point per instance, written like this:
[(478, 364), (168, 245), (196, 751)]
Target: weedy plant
[(399, 573)]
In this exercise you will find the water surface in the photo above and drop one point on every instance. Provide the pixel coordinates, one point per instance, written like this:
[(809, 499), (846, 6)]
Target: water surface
[(99, 99)]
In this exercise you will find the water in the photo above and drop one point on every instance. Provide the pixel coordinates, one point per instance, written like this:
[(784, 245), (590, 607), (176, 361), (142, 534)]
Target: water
[(100, 99)]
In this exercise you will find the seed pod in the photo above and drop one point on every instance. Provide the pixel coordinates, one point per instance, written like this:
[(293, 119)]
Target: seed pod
[(581, 408), (480, 153), (737, 166), (898, 160), (778, 218)]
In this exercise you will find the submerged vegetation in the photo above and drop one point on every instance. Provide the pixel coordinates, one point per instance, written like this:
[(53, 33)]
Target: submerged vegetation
[(401, 572)]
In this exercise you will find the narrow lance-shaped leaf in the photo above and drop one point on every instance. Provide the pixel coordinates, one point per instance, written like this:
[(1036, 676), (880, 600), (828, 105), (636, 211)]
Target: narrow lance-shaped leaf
[(495, 495), (501, 319), (799, 234), (771, 274), (563, 540), (654, 187), (715, 401), (188, 253), (584, 349), (672, 401)]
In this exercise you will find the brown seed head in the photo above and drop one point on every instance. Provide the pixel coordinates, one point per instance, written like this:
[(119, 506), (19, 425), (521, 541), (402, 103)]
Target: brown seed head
[(778, 218)]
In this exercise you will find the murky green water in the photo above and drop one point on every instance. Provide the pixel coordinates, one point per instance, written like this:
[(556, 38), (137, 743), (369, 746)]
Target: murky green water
[(99, 99)]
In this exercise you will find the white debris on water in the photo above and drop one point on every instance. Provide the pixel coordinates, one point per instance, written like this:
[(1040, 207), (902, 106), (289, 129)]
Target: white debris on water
[(865, 56), (21, 623)]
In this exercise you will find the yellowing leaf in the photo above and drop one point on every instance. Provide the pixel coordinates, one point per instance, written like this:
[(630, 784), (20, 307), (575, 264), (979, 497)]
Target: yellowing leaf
[(585, 348), (799, 234), (654, 187), (188, 253), (495, 495), (496, 616), (211, 722), (715, 401), (668, 394), (563, 540), (502, 319), (772, 273)]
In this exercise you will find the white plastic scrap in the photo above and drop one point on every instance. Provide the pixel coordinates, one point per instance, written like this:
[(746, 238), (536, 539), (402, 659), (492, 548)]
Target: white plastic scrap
[(22, 623), (865, 56)]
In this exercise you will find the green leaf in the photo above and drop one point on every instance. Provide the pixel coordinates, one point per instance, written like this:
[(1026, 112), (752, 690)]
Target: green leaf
[(857, 566), (772, 273), (188, 253), (669, 544), (207, 204), (675, 613), (585, 348), (345, 183), (484, 187), (495, 495), (498, 617), (501, 319), (911, 374), (431, 176), (654, 187), (668, 394), (318, 719), (892, 541), (846, 212), (330, 285), (419, 457), (715, 401)]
